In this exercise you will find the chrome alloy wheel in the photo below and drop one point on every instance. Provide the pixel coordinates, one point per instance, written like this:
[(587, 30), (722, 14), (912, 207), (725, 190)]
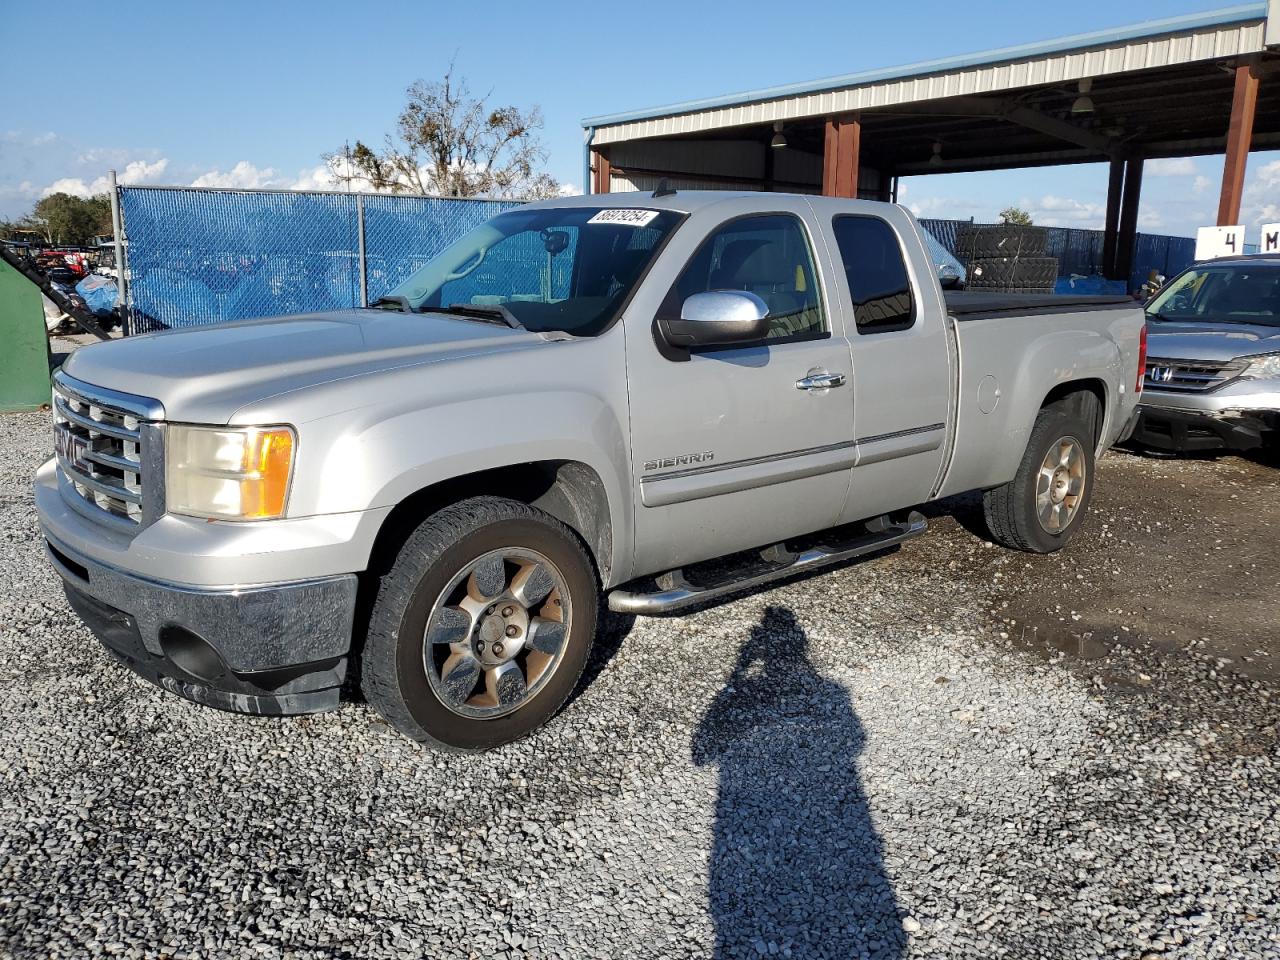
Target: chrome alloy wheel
[(497, 633), (1060, 485)]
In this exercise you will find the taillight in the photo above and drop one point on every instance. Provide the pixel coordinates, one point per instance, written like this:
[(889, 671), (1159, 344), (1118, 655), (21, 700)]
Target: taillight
[(1142, 359)]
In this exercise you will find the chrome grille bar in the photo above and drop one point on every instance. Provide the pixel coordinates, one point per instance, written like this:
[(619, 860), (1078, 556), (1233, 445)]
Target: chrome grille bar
[(101, 439), (1189, 376), (100, 486), (63, 408)]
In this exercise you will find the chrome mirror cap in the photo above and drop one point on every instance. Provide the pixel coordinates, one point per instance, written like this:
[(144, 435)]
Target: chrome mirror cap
[(724, 306)]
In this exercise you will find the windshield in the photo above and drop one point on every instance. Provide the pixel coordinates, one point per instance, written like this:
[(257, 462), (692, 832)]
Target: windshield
[(1236, 293), (567, 268)]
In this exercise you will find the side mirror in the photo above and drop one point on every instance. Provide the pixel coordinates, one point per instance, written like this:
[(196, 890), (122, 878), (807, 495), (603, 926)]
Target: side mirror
[(717, 317), (948, 276)]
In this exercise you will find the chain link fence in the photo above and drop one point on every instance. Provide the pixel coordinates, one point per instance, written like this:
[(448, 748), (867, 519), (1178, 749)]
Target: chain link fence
[(199, 256)]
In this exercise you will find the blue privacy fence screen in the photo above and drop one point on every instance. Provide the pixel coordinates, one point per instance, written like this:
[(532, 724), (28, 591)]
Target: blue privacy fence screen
[(210, 256), (1079, 252)]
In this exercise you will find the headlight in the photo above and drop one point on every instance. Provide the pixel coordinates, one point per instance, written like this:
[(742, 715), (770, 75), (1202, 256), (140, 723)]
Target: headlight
[(1266, 367), (228, 473)]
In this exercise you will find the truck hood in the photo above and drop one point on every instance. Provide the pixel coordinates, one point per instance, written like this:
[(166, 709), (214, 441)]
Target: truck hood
[(205, 374), (1177, 340)]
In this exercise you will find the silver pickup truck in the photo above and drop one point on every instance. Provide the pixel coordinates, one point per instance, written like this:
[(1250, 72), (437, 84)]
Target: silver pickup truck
[(581, 397)]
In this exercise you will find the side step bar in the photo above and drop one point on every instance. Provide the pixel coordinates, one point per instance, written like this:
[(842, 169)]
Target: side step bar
[(675, 592)]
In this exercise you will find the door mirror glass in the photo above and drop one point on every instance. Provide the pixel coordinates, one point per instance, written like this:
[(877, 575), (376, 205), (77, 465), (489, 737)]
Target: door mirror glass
[(718, 317)]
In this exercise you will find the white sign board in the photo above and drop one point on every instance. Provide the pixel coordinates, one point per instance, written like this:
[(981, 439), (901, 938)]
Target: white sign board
[(1219, 242), (1270, 238)]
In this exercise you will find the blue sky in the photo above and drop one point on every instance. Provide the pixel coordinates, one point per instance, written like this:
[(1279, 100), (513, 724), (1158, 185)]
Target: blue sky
[(251, 94)]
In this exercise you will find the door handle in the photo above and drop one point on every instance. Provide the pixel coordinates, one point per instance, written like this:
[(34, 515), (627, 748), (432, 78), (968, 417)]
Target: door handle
[(820, 381)]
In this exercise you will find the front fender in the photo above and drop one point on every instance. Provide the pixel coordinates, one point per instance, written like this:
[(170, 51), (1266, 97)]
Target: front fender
[(379, 459)]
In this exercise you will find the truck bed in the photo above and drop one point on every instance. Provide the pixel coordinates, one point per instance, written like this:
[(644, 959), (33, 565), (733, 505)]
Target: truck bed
[(978, 305)]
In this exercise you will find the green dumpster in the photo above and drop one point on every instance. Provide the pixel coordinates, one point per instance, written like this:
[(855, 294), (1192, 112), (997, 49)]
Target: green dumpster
[(24, 343)]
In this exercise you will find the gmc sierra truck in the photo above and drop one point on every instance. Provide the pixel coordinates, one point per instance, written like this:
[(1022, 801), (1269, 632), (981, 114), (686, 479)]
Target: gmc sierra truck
[(587, 396)]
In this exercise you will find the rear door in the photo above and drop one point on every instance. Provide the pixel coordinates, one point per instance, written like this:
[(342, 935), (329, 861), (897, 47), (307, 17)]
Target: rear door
[(902, 384), (733, 448)]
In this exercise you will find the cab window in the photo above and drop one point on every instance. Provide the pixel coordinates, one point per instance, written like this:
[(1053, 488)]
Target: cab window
[(876, 273), (769, 256)]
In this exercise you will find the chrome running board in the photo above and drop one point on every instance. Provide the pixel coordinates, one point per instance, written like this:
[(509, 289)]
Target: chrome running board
[(675, 591)]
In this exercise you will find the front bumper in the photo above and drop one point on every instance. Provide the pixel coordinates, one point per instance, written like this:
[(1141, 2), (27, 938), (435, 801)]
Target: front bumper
[(275, 649), (1189, 431)]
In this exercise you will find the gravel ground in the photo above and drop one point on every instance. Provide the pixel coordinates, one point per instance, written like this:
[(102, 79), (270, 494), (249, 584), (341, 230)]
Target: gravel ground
[(875, 762)]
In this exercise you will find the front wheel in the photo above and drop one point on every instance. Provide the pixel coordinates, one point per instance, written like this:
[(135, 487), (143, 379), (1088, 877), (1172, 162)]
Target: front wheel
[(1044, 505), (482, 626)]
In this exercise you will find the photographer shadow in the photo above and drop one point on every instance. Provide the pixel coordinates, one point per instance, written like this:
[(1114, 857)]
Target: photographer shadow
[(796, 863)]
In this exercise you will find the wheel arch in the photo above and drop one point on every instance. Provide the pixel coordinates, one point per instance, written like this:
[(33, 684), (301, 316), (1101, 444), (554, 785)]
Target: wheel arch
[(569, 490), (1086, 396)]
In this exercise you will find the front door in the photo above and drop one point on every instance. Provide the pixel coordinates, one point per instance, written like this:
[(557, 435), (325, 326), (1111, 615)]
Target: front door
[(740, 447)]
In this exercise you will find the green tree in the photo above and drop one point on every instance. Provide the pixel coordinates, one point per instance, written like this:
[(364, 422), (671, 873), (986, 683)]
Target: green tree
[(66, 219), (1016, 215), (450, 143)]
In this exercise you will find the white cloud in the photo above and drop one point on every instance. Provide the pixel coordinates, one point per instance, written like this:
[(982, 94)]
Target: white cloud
[(1172, 167), (244, 175), (1260, 203), (137, 171), (23, 139), (1055, 211), (316, 178), (946, 208), (1201, 183)]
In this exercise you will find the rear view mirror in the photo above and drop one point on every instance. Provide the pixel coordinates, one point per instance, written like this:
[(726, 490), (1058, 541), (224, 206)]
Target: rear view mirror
[(717, 317)]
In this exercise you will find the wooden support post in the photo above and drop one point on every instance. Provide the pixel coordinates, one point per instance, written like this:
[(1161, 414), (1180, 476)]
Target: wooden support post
[(1244, 103), (602, 174), (1128, 238), (840, 157), (1110, 234)]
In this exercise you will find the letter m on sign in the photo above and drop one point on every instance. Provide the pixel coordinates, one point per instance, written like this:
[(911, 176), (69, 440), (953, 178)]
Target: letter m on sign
[(1271, 238)]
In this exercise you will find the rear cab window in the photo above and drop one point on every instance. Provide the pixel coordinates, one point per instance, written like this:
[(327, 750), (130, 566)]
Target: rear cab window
[(876, 273)]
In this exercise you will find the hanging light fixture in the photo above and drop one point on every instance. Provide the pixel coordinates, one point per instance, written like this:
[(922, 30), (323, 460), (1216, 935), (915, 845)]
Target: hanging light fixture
[(936, 159), (779, 138), (1084, 102)]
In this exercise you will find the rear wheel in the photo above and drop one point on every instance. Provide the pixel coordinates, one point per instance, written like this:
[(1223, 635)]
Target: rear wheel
[(1045, 503), (481, 627)]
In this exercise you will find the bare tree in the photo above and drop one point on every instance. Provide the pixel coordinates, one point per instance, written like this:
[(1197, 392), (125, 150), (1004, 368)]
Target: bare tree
[(450, 143)]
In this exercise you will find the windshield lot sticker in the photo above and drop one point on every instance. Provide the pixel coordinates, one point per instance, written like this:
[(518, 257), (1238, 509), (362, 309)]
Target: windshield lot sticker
[(624, 218)]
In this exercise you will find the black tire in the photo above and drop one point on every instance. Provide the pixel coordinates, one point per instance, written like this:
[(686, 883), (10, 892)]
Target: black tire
[(1000, 240), (1011, 511), (1012, 273), (393, 676)]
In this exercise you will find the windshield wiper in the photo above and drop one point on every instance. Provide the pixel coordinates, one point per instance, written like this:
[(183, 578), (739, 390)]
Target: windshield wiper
[(488, 314), (1158, 316), (400, 303)]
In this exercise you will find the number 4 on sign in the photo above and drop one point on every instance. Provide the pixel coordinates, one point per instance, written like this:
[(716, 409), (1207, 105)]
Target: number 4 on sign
[(1219, 242), (1270, 238)]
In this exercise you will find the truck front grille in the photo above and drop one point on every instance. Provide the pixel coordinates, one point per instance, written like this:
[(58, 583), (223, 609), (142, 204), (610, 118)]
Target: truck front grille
[(100, 440), (1189, 376)]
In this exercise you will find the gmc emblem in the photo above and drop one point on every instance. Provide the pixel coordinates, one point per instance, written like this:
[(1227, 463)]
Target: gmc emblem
[(71, 448)]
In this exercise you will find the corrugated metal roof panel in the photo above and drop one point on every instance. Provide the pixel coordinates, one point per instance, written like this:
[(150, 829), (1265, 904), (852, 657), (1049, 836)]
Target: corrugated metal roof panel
[(1222, 33)]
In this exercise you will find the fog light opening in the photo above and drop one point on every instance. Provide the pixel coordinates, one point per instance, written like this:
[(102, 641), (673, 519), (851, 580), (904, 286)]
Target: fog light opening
[(192, 654)]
